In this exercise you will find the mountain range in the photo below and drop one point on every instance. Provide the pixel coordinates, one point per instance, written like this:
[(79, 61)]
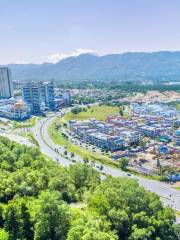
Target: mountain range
[(129, 66)]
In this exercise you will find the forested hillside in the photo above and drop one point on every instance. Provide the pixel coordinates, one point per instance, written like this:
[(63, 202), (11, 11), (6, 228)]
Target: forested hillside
[(129, 66), (42, 200)]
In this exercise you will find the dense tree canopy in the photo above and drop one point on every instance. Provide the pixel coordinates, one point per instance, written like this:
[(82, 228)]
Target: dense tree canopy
[(133, 212), (41, 200)]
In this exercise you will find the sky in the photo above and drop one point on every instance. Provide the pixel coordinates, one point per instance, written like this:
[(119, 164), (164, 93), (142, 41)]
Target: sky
[(49, 30)]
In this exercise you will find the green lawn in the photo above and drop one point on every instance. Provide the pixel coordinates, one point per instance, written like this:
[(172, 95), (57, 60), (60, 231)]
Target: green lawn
[(59, 139), (178, 106), (178, 213), (25, 124), (98, 112)]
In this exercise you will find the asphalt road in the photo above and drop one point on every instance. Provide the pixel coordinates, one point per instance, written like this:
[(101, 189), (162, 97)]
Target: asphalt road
[(41, 135), (168, 195)]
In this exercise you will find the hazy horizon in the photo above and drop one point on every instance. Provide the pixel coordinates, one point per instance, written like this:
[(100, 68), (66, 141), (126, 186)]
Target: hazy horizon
[(64, 56)]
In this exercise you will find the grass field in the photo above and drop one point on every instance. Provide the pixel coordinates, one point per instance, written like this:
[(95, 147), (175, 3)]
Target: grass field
[(59, 139), (98, 112), (178, 213), (25, 124), (178, 106)]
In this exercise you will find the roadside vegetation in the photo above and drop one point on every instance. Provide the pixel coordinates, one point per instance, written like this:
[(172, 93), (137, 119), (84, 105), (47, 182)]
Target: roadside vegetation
[(60, 139), (29, 123), (32, 139), (41, 200), (175, 104)]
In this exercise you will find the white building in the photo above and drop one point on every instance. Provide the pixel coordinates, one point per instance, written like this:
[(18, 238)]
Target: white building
[(67, 97), (12, 109), (6, 86)]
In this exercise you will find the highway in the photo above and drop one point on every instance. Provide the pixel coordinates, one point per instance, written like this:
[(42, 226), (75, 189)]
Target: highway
[(168, 195), (46, 145)]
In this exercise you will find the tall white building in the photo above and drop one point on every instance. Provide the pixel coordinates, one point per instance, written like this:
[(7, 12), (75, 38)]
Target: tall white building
[(6, 85), (67, 97)]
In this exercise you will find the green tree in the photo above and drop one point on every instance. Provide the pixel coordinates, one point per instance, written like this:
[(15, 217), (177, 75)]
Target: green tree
[(91, 227), (4, 235), (84, 176), (17, 220), (123, 163), (35, 193), (141, 233), (51, 217), (121, 112), (133, 212), (177, 231), (85, 160), (142, 143)]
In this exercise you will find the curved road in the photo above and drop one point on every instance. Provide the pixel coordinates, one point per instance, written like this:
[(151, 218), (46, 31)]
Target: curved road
[(41, 135), (168, 195)]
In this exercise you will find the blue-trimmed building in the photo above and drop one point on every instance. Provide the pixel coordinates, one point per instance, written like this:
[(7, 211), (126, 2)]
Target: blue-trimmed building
[(40, 96), (175, 177), (177, 137), (48, 95)]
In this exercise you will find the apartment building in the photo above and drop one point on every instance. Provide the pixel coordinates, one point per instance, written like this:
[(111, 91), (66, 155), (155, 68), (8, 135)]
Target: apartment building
[(6, 86)]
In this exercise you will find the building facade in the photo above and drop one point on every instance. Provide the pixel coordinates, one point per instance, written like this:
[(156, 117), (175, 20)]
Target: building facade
[(6, 86), (177, 137), (67, 97), (48, 95), (13, 109), (31, 93), (39, 95)]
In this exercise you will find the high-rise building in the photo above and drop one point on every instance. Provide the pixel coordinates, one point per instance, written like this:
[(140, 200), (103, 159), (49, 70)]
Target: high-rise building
[(67, 97), (31, 93), (39, 95), (47, 95), (6, 86)]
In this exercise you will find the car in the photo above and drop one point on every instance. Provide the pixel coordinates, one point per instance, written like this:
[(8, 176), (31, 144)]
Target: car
[(128, 174)]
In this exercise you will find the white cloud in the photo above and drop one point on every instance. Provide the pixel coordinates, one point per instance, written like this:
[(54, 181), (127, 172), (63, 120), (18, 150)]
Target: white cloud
[(54, 58), (21, 62)]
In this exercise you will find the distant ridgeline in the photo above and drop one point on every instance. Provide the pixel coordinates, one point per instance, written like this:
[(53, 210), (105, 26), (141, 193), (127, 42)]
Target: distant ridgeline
[(137, 66)]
